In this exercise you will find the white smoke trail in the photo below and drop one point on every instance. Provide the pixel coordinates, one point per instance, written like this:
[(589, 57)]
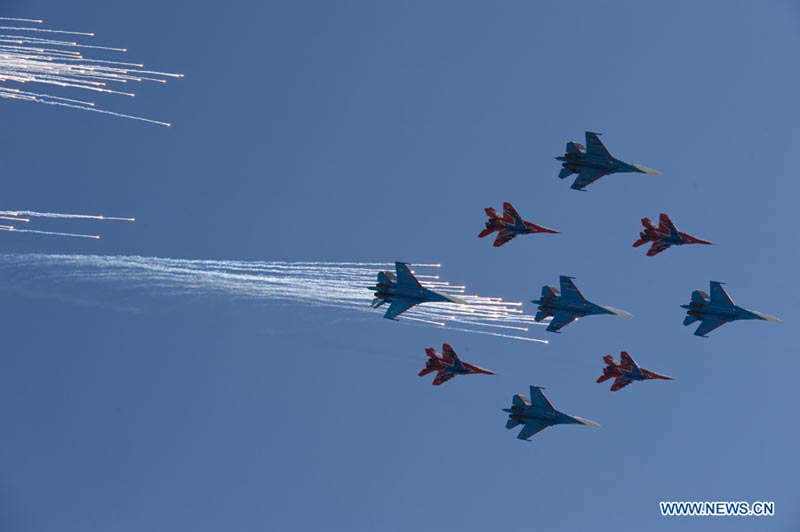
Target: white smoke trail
[(342, 285), (29, 59)]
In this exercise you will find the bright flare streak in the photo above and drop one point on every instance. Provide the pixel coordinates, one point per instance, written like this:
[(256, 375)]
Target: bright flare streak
[(65, 215), (52, 233), (45, 30), (32, 20), (316, 284), (523, 329), (525, 338), (60, 63), (438, 323)]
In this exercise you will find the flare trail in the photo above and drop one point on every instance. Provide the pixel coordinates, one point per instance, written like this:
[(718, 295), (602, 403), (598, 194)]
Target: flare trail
[(340, 285)]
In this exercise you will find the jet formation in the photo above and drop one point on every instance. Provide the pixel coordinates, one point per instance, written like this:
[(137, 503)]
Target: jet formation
[(593, 162), (664, 236), (568, 306), (509, 226), (625, 372), (448, 365), (403, 291), (717, 310), (537, 413)]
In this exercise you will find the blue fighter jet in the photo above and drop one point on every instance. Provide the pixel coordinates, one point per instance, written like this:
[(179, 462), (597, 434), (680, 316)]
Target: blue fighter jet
[(593, 162), (717, 310), (569, 305), (403, 291), (536, 414)]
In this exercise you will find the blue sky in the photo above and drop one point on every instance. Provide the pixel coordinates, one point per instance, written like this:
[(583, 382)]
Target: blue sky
[(378, 131)]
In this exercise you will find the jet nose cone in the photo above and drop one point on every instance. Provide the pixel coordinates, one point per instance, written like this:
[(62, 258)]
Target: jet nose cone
[(619, 312), (646, 170), (767, 317), (458, 300), (586, 422)]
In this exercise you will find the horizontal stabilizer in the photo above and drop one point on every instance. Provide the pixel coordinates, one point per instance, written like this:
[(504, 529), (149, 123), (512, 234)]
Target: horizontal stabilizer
[(603, 378), (511, 423), (541, 315), (688, 320), (565, 172)]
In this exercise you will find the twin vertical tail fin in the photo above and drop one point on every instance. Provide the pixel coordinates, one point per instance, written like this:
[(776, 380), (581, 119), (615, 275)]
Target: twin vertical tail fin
[(386, 278), (575, 148), (649, 229), (698, 296)]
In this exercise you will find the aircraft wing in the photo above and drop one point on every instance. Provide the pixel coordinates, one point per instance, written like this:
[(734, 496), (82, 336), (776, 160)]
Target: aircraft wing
[(442, 377), (397, 307), (665, 225), (706, 326), (510, 212), (560, 320), (538, 399), (586, 177), (568, 289), (719, 295), (503, 237), (595, 146), (531, 428), (619, 383), (449, 353), (657, 247), (404, 275), (628, 360)]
